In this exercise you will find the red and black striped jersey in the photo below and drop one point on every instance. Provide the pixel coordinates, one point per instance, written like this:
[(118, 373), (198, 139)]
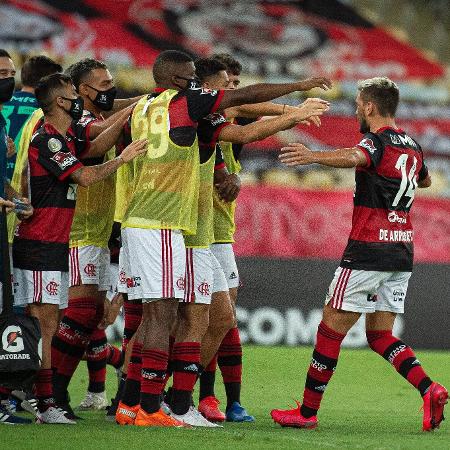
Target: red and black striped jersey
[(381, 238), (41, 243)]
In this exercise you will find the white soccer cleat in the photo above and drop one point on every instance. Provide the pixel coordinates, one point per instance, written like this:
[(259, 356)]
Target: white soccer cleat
[(55, 415), (195, 419), (166, 408), (94, 401)]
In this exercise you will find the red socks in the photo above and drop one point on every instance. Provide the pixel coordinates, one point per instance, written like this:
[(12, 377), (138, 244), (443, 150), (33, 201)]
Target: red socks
[(133, 317), (400, 356), (132, 389), (154, 366), (230, 357), (43, 389), (186, 361), (321, 369)]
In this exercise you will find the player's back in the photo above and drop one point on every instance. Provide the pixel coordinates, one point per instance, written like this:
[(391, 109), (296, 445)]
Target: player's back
[(382, 233)]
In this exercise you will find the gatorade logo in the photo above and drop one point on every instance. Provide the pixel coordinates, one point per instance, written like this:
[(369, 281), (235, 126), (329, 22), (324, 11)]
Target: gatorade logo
[(12, 340)]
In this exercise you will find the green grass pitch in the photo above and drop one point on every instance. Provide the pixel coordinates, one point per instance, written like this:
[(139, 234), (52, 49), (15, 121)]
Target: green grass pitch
[(367, 406)]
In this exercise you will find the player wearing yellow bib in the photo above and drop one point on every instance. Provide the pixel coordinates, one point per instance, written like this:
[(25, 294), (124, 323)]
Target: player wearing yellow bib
[(163, 207), (217, 73), (89, 257)]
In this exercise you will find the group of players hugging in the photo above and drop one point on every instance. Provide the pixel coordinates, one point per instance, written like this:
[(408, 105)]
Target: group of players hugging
[(130, 203)]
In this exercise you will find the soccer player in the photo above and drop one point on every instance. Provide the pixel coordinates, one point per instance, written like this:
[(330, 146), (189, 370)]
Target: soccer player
[(204, 274), (230, 351), (163, 207), (89, 267), (40, 247), (7, 72), (376, 265), (23, 103)]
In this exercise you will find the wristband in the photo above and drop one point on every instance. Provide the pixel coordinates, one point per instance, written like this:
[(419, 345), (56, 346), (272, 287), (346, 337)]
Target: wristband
[(119, 158)]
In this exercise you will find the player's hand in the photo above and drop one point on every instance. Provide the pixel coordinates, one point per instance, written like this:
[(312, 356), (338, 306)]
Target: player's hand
[(111, 311), (27, 213), (309, 110), (11, 148), (320, 82), (229, 188), (136, 148), (315, 120), (296, 155), (9, 205)]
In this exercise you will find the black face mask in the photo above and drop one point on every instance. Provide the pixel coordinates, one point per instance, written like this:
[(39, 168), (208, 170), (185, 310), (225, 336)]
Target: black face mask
[(104, 99), (6, 89), (76, 108)]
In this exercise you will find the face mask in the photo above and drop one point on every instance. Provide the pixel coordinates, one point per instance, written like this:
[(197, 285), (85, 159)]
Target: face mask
[(6, 89), (76, 108), (104, 99), (193, 83)]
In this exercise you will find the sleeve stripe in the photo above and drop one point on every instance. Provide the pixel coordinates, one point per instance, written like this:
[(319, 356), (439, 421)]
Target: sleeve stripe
[(366, 154), (68, 172), (218, 101)]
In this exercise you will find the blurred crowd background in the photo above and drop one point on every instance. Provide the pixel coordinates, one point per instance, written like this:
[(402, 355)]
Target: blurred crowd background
[(347, 40)]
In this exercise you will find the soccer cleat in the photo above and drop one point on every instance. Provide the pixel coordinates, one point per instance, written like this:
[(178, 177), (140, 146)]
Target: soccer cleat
[(55, 415), (125, 414), (10, 419), (209, 408), (27, 402), (236, 413), (293, 418), (157, 419), (433, 406), (94, 401), (195, 419), (166, 408)]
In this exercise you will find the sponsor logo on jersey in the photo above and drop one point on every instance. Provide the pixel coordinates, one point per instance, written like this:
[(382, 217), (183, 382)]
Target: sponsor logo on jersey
[(398, 139), (90, 270), (394, 217), (215, 119), (395, 235), (206, 91), (204, 288), (52, 288), (148, 375), (368, 145), (54, 145), (63, 159)]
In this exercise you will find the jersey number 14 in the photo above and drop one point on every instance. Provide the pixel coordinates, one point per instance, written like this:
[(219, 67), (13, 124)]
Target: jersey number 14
[(408, 183)]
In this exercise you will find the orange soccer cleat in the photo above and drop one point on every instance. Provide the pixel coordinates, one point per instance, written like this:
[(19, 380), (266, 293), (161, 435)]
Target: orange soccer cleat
[(125, 414), (433, 406), (157, 419)]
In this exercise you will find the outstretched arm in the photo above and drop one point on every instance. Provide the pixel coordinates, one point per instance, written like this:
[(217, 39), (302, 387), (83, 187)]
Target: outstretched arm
[(87, 175), (300, 155), (108, 138), (264, 128), (99, 126), (264, 92)]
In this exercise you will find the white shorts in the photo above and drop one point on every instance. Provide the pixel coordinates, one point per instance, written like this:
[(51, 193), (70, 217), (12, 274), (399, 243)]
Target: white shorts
[(199, 277), (114, 277), (90, 265), (225, 255), (122, 273), (35, 286), (154, 261), (366, 291)]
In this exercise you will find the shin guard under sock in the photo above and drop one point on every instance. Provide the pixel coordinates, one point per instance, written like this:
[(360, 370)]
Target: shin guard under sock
[(154, 366), (207, 379), (132, 388)]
